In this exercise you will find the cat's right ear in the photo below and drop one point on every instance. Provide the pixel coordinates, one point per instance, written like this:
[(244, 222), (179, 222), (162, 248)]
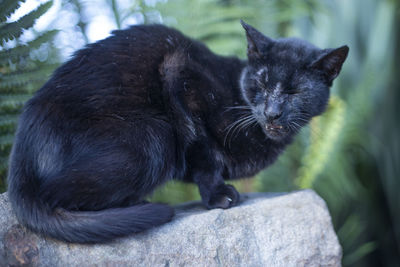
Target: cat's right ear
[(256, 41)]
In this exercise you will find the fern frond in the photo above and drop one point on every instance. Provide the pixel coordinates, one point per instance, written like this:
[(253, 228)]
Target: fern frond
[(8, 7), (218, 29), (18, 81), (23, 50), (315, 159), (19, 78), (6, 140), (3, 164), (210, 22), (7, 120), (10, 31), (29, 88), (13, 101)]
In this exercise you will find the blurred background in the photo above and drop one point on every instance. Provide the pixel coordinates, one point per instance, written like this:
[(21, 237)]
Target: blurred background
[(350, 156)]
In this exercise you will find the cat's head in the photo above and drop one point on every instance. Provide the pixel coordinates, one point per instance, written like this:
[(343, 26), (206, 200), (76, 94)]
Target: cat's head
[(286, 81)]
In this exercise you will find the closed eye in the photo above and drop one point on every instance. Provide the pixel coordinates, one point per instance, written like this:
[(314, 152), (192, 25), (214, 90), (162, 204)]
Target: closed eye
[(291, 92), (259, 97), (261, 83)]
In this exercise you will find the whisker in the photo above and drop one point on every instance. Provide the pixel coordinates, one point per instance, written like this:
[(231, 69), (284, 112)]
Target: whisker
[(294, 126), (301, 119), (242, 126), (238, 107), (238, 121), (233, 125), (289, 125), (236, 127), (305, 117)]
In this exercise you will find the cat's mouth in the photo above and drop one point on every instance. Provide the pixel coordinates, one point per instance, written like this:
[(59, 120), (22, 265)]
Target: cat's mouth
[(273, 127), (275, 131)]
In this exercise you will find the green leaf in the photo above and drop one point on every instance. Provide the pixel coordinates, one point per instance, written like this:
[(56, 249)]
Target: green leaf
[(8, 7), (350, 231), (6, 120), (20, 75), (3, 162), (13, 100), (6, 140), (23, 50), (359, 253), (322, 145), (10, 31), (20, 78)]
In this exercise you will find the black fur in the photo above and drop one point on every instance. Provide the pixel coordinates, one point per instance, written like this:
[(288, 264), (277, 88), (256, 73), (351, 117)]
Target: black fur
[(148, 105)]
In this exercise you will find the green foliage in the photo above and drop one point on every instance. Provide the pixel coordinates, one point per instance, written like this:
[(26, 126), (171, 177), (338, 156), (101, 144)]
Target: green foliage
[(324, 134), (217, 22), (13, 30), (8, 7), (213, 23), (176, 193), (17, 52), (20, 73)]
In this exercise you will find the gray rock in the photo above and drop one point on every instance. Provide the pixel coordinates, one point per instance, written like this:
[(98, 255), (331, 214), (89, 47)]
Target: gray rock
[(292, 229)]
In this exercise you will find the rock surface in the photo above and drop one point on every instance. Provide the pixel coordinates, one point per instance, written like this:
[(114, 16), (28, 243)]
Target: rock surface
[(264, 230)]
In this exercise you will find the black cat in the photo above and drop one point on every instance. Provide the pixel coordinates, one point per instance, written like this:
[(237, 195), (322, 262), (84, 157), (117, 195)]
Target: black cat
[(148, 105)]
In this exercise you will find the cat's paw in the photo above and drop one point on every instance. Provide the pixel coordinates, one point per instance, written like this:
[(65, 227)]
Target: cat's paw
[(224, 196)]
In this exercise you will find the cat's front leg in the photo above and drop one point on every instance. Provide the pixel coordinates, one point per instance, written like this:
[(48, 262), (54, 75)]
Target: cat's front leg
[(206, 172), (215, 193), (222, 196)]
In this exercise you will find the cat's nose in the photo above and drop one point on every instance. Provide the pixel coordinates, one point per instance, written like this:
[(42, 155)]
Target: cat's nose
[(272, 114)]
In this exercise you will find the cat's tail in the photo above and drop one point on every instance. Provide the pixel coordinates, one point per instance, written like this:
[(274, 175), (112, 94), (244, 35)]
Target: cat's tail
[(85, 226)]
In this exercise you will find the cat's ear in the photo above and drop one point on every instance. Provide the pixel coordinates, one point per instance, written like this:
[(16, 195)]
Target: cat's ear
[(256, 41), (331, 61)]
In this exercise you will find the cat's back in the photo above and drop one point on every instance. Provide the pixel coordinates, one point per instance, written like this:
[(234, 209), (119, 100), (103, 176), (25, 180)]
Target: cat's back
[(121, 71), (126, 58)]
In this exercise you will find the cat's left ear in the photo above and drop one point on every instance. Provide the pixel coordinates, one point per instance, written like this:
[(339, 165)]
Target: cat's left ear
[(256, 41), (331, 62)]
